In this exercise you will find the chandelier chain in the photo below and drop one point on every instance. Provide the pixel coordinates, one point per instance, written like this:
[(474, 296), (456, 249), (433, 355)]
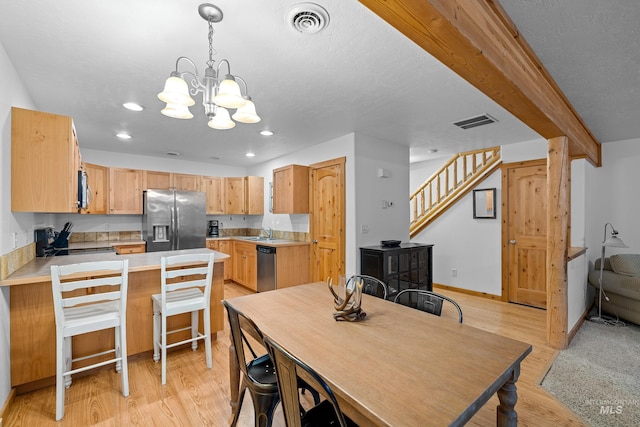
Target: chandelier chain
[(212, 52)]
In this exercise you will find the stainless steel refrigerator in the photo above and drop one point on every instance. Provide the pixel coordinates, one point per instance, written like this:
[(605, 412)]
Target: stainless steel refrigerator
[(174, 220)]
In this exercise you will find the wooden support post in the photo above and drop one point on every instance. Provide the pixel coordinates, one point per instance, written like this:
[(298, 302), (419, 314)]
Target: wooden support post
[(558, 189)]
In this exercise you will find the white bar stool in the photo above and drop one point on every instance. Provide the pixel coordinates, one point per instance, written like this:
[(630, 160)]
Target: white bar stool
[(89, 297), (182, 276)]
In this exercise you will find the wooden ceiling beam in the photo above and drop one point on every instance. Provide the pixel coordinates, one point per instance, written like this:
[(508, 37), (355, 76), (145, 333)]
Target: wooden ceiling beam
[(478, 41)]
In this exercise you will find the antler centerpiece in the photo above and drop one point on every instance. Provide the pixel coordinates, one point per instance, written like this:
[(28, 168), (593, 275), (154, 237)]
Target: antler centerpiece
[(348, 307)]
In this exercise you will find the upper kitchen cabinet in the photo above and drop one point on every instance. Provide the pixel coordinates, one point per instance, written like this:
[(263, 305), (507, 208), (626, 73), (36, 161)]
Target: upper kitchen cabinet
[(254, 195), (157, 180), (291, 190), (244, 195), (97, 187), (125, 191), (45, 160), (213, 186), (186, 182), (169, 180)]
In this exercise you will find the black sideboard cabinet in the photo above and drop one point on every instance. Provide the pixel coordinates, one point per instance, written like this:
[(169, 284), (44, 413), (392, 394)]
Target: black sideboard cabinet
[(407, 266)]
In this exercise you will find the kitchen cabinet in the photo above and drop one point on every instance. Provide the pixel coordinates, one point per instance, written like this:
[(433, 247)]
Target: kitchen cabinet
[(224, 246), (125, 191), (245, 264), (254, 195), (125, 249), (234, 195), (292, 265), (186, 182), (214, 189), (291, 189), (169, 180), (244, 195), (157, 180), (45, 160), (97, 183)]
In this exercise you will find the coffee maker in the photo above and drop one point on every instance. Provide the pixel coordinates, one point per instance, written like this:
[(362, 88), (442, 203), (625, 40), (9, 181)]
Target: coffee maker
[(213, 228)]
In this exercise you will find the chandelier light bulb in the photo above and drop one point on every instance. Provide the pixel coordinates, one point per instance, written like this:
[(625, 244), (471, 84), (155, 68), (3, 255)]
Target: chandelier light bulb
[(177, 111), (229, 95), (246, 113), (176, 91), (221, 120)]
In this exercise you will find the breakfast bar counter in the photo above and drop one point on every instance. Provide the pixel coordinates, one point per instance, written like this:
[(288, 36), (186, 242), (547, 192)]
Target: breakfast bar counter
[(33, 355)]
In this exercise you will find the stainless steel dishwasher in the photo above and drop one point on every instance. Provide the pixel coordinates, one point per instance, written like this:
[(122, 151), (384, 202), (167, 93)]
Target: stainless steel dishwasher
[(266, 268)]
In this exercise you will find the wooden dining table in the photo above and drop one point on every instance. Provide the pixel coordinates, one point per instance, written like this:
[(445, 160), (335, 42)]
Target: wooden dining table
[(397, 367)]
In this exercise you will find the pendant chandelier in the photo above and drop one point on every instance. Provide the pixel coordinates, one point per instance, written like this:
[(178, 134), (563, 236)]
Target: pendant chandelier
[(218, 94)]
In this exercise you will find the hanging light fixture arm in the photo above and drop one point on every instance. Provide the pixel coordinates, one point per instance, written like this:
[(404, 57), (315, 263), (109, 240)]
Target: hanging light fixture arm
[(193, 77)]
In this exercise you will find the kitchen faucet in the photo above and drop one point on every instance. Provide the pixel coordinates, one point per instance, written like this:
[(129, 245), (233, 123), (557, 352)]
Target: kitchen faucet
[(268, 232)]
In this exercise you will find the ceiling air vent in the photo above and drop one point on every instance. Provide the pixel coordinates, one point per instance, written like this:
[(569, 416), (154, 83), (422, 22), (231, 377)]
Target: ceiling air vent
[(307, 18), (473, 122)]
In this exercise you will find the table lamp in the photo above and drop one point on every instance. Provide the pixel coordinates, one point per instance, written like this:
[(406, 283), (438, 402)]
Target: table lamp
[(614, 242)]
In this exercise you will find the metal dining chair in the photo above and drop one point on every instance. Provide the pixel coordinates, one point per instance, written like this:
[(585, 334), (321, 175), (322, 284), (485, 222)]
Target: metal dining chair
[(427, 301), (325, 413), (258, 372), (89, 297), (371, 285), (185, 288)]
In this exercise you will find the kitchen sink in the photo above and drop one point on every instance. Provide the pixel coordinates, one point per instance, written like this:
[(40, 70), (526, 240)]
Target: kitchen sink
[(253, 238)]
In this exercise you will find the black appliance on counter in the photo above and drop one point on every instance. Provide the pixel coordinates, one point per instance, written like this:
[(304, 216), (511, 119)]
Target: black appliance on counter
[(50, 242), (213, 228)]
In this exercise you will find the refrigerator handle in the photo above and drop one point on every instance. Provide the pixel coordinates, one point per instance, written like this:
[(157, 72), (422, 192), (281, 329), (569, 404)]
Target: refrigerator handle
[(173, 229), (177, 229)]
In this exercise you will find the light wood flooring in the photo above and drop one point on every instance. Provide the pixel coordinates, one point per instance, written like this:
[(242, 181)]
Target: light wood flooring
[(197, 396)]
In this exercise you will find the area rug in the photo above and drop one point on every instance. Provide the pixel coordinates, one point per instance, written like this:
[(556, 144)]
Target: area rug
[(598, 375)]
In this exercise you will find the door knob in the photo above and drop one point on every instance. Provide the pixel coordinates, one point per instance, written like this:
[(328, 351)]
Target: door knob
[(512, 241)]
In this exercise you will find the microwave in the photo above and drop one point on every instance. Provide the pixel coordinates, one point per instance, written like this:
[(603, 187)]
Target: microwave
[(83, 190)]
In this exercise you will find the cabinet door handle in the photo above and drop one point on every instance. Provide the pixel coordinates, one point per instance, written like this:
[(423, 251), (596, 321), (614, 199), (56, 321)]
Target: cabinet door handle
[(314, 241), (512, 241)]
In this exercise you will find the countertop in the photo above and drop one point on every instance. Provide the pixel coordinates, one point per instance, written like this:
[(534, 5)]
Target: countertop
[(262, 241), (106, 244), (39, 269)]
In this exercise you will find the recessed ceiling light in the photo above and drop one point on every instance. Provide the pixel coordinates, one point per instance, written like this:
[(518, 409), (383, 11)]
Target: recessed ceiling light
[(133, 106), (266, 133), (123, 135), (250, 154)]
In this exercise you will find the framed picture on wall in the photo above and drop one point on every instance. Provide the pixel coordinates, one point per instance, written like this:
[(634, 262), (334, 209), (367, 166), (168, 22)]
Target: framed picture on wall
[(484, 203)]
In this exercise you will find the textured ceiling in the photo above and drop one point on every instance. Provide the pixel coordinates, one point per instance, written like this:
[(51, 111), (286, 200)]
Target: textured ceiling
[(84, 59), (591, 48)]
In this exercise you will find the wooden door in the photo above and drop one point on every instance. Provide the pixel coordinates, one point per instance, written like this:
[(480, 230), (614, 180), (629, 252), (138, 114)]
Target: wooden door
[(45, 160), (234, 195), (186, 182), (225, 247), (327, 219), (157, 180), (214, 189), (254, 195), (125, 191), (525, 239), (97, 180)]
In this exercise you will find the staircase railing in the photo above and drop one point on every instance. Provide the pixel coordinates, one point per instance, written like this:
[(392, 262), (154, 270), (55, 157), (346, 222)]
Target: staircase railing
[(449, 183)]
